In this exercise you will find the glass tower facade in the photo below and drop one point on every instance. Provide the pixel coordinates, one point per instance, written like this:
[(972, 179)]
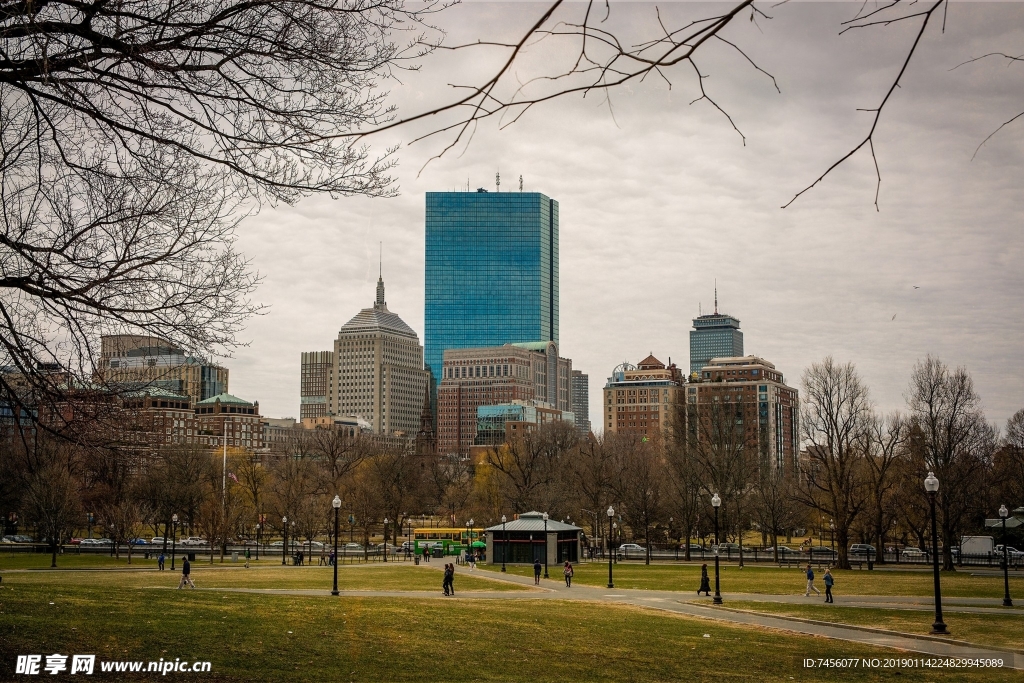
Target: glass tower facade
[(714, 336), (491, 271)]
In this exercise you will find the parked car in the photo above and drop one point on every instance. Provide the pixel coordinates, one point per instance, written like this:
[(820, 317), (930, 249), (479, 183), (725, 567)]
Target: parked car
[(138, 541), (96, 541), (156, 540), (193, 540), (276, 544), (912, 554), (5, 539), (863, 551), (1011, 552), (727, 549), (351, 548), (312, 544), (785, 553), (823, 552), (631, 548), (74, 541)]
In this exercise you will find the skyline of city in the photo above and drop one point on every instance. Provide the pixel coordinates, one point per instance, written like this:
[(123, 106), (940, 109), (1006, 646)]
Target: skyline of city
[(644, 235)]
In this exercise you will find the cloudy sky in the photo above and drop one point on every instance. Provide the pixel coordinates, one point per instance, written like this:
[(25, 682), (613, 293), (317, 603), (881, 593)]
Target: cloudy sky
[(660, 197)]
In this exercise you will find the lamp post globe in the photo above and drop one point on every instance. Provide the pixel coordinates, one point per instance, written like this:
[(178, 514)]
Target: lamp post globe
[(336, 504), (1007, 602), (611, 514), (174, 538), (716, 502), (504, 534), (545, 545), (931, 486)]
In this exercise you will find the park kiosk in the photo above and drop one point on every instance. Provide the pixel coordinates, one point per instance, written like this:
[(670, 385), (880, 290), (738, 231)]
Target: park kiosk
[(533, 536)]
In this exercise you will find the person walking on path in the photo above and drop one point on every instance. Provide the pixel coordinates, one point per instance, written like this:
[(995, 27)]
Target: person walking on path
[(444, 581), (472, 562), (246, 558), (705, 582), (568, 571), (160, 562), (810, 582), (829, 582), (186, 571), (536, 572)]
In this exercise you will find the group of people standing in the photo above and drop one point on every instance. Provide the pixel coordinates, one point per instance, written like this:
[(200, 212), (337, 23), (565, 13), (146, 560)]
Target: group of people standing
[(449, 579), (705, 582)]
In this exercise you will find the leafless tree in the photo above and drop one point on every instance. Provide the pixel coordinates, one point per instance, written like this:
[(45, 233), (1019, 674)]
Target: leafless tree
[(50, 494), (836, 422), (591, 471), (1009, 462), (639, 482), (887, 439), (529, 465), (956, 443), (686, 488), (773, 501), (135, 135)]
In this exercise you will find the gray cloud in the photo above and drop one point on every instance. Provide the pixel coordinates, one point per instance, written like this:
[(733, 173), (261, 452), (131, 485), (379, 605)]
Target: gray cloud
[(661, 198)]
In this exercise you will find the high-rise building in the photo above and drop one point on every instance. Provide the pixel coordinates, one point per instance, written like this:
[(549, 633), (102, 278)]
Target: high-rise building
[(378, 371), (229, 417), (471, 378), (314, 383), (581, 401), (132, 359), (644, 398), (491, 271), (715, 335), (751, 396)]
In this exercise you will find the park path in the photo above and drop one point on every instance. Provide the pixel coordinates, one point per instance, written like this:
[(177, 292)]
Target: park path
[(702, 608)]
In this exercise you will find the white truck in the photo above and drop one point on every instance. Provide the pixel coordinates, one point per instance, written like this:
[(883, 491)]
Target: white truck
[(977, 545)]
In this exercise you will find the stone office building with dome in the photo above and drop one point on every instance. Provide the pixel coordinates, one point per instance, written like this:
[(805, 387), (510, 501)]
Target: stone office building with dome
[(376, 371)]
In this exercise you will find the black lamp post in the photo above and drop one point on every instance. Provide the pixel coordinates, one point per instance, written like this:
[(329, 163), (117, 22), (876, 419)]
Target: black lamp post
[(716, 502), (258, 525), (615, 541), (284, 548), (336, 504), (931, 485), (174, 537), (545, 545), (832, 536), (385, 539), (504, 534), (611, 514), (1007, 602)]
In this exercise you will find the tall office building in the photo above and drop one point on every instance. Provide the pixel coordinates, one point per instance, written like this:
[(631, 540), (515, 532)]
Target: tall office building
[(151, 361), (581, 401), (314, 383), (714, 336), (378, 371), (750, 395), (491, 271)]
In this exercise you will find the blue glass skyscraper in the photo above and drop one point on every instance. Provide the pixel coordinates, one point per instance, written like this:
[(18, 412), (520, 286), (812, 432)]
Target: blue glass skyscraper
[(491, 271)]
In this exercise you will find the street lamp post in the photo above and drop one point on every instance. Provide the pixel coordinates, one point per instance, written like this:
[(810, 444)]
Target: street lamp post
[(931, 485), (174, 538), (258, 525), (1007, 602), (469, 539), (716, 502), (504, 535), (611, 514), (545, 545), (336, 504), (832, 536), (284, 548), (615, 540), (385, 539)]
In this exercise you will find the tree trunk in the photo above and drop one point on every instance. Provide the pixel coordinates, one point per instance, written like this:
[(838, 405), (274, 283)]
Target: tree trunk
[(53, 555)]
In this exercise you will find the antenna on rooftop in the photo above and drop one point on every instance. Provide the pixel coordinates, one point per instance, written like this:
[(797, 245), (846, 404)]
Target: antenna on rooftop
[(380, 261), (497, 181), (716, 296), (520, 183)]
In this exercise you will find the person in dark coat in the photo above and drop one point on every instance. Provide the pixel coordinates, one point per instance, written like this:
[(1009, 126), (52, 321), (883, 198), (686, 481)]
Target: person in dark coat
[(705, 582), (829, 582), (536, 572), (186, 571)]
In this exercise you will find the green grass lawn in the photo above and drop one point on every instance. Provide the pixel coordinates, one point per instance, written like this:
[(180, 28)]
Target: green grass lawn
[(390, 577), (277, 638), (990, 629), (776, 581)]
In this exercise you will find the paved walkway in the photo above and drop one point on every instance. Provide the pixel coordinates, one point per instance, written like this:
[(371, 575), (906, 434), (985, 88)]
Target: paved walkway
[(692, 606)]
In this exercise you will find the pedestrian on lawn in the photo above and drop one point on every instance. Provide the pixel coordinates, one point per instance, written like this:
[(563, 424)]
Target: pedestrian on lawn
[(160, 562), (246, 558), (536, 572), (705, 582), (829, 582), (810, 582), (186, 572), (568, 571)]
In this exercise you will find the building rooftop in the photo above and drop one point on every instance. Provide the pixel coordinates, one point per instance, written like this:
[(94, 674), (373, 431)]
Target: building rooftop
[(534, 521), (224, 399), (378, 318)]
